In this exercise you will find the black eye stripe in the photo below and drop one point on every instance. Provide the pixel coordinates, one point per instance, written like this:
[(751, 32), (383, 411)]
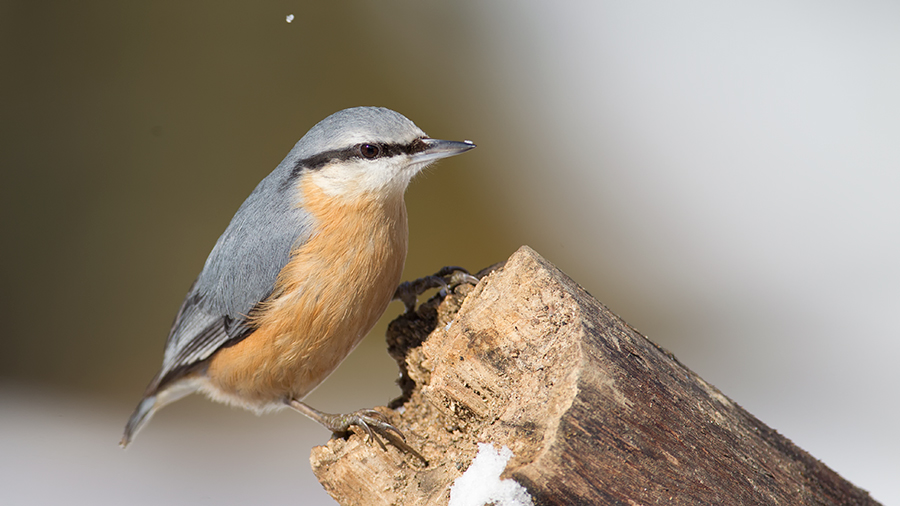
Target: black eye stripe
[(385, 150)]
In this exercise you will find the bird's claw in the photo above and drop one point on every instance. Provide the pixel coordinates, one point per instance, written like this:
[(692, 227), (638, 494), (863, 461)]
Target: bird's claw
[(372, 422), (445, 279)]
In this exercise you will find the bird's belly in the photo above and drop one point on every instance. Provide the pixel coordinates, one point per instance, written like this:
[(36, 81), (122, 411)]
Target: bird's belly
[(328, 297)]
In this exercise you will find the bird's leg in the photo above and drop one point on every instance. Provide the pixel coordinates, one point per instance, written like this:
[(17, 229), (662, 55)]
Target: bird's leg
[(445, 278), (368, 419)]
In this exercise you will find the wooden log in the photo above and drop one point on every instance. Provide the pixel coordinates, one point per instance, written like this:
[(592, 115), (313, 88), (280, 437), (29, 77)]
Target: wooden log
[(593, 412)]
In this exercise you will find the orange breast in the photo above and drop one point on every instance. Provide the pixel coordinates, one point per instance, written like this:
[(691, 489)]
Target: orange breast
[(326, 299)]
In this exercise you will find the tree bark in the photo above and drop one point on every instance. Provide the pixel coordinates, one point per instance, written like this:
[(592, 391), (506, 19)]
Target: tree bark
[(593, 411)]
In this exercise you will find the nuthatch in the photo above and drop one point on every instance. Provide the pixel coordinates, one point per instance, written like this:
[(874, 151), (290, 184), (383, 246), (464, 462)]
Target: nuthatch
[(306, 267)]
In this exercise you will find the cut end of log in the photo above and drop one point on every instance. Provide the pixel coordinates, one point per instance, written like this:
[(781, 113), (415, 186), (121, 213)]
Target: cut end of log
[(593, 412)]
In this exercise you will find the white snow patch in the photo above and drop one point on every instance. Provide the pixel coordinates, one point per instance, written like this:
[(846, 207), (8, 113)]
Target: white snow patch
[(481, 483)]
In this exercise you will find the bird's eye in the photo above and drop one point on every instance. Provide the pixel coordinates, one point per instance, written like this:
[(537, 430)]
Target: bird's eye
[(369, 150)]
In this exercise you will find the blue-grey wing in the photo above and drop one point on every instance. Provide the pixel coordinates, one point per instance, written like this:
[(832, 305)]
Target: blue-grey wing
[(239, 273)]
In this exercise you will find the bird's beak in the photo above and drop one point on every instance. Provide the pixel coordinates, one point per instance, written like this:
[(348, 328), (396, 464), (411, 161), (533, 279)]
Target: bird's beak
[(436, 149)]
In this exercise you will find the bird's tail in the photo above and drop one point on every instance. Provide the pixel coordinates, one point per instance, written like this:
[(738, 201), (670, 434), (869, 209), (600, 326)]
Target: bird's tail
[(152, 402), (138, 419)]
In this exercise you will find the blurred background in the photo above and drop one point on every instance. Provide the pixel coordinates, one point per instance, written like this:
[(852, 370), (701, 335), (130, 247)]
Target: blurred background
[(724, 177)]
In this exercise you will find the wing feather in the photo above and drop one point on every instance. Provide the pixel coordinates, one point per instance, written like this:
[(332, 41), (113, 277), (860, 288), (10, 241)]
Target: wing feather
[(239, 273)]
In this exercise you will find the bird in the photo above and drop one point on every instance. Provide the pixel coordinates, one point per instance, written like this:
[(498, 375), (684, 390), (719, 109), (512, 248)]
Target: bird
[(301, 274)]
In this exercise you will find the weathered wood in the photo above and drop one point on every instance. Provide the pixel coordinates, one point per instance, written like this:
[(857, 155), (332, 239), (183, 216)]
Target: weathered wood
[(593, 411)]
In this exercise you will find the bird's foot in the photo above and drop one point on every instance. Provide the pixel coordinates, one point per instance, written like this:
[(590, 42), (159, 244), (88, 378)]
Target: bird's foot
[(372, 422), (445, 279)]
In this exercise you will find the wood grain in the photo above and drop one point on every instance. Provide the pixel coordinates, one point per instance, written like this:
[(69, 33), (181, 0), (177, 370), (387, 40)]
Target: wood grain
[(594, 412)]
